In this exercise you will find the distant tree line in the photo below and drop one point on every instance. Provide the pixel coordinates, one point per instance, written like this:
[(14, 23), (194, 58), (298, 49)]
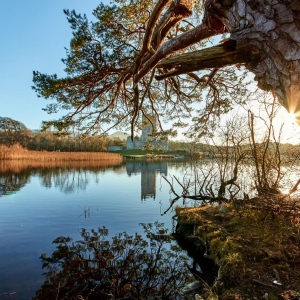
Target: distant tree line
[(14, 132)]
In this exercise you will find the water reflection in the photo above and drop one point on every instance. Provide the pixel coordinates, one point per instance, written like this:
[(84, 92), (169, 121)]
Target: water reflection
[(11, 182), (68, 177), (125, 267), (42, 209), (75, 177), (148, 172), (68, 180)]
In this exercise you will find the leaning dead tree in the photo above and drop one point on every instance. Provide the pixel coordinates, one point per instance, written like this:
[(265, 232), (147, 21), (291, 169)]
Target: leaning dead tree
[(142, 56)]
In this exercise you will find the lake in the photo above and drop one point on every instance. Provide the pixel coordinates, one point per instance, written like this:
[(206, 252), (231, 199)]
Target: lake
[(39, 204)]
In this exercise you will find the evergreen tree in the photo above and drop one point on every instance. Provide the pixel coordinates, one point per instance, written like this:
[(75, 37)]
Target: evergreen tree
[(145, 57)]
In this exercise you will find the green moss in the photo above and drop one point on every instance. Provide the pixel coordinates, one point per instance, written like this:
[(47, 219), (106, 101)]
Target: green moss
[(248, 247), (272, 296)]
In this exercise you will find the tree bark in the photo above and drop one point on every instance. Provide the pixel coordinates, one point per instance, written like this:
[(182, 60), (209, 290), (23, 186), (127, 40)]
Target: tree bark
[(214, 57), (170, 47), (268, 30)]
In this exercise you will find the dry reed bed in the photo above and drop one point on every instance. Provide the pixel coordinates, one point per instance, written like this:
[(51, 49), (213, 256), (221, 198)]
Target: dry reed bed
[(16, 152), (17, 166)]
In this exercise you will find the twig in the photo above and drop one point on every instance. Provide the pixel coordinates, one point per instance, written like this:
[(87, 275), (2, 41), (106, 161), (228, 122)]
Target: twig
[(171, 186)]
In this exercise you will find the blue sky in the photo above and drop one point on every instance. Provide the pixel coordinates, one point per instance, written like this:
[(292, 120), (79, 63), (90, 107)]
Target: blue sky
[(33, 34)]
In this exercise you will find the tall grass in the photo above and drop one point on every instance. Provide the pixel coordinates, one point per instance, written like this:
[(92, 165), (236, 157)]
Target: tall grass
[(16, 152), (18, 166)]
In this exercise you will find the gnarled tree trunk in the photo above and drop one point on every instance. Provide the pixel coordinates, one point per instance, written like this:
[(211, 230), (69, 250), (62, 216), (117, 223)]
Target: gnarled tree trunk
[(264, 36)]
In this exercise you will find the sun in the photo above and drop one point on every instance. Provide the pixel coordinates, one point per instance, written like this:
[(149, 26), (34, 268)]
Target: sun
[(293, 113), (286, 117), (291, 117), (287, 122)]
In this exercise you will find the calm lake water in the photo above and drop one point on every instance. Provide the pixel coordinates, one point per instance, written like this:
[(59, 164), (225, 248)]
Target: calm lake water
[(39, 204)]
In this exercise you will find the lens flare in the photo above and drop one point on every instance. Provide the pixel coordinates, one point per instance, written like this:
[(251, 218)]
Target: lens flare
[(286, 125), (294, 114), (292, 117)]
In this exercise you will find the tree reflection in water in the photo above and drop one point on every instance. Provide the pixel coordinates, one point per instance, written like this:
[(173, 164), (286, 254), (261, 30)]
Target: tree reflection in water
[(11, 183), (125, 267), (67, 176)]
